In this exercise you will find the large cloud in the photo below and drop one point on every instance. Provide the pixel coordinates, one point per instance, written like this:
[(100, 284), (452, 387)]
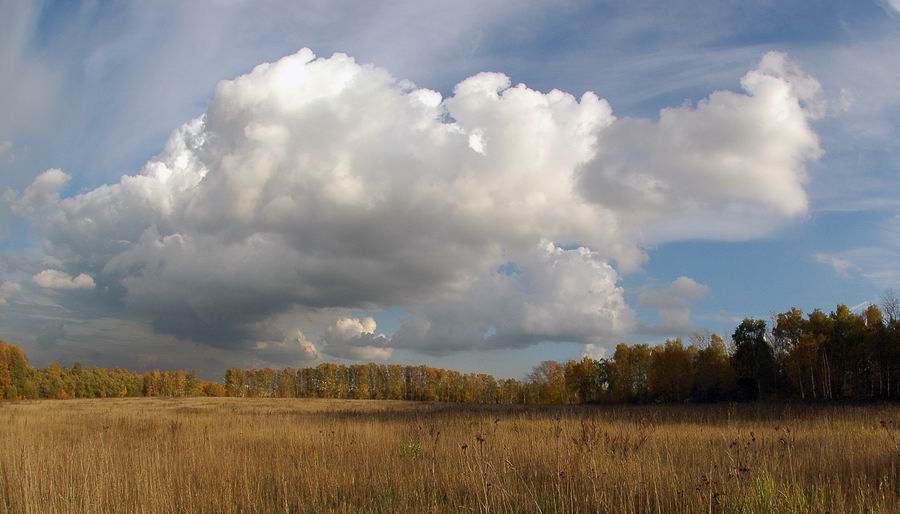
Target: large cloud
[(325, 185)]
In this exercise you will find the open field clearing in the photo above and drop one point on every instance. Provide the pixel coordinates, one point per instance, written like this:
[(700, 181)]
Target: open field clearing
[(287, 455)]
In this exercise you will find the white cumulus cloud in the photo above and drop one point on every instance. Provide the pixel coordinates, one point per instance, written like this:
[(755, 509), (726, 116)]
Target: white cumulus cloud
[(355, 338), (42, 193), (732, 167), (297, 349), (594, 351), (55, 279), (673, 304), (552, 295), (494, 216), (8, 290)]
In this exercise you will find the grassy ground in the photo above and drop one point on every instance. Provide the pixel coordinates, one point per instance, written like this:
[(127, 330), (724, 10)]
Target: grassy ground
[(271, 455)]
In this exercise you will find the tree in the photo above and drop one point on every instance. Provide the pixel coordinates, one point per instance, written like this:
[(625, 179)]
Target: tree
[(234, 382), (672, 371), (14, 372), (754, 361), (795, 357), (511, 391), (890, 305), (889, 356), (585, 380), (714, 376), (876, 342), (629, 373), (549, 378), (847, 356), (212, 388)]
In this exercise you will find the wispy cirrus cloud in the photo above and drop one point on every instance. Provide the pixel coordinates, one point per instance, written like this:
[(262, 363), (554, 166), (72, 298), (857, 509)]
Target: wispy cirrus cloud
[(840, 265), (890, 6), (879, 264)]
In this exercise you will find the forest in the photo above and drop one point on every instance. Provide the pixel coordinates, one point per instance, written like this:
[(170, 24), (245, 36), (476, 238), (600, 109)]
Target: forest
[(841, 355)]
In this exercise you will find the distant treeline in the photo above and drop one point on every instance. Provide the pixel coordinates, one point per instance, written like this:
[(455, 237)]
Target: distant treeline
[(18, 380), (836, 356)]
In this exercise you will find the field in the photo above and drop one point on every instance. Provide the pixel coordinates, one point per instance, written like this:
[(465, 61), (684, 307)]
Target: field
[(235, 455)]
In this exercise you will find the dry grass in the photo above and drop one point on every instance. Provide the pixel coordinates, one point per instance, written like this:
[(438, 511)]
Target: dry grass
[(270, 455)]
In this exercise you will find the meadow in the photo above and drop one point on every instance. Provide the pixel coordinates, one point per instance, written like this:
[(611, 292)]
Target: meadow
[(265, 455)]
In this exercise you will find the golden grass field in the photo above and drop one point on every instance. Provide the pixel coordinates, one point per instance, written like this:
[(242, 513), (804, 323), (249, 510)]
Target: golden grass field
[(235, 455)]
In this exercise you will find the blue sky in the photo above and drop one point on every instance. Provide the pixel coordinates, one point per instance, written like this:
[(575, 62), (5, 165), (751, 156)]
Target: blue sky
[(96, 89)]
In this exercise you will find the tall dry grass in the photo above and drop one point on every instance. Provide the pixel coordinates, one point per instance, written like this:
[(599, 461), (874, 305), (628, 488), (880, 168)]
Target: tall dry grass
[(269, 455)]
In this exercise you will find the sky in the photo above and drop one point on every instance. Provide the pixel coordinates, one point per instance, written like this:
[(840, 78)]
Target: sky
[(473, 185)]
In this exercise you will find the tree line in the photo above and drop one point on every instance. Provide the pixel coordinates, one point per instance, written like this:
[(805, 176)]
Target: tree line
[(818, 356), (18, 380), (840, 355)]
